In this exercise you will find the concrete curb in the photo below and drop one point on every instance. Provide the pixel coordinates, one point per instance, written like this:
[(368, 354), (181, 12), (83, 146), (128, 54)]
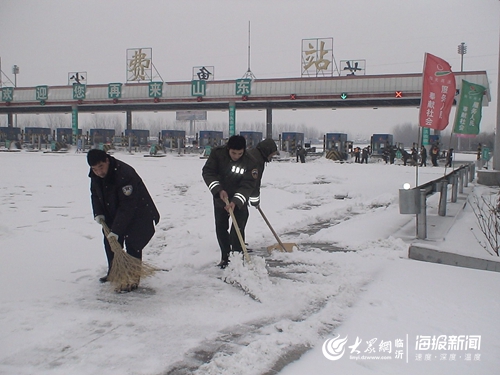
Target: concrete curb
[(421, 253)]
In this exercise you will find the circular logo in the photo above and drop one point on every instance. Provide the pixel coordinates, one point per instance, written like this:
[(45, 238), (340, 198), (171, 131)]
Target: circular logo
[(333, 349)]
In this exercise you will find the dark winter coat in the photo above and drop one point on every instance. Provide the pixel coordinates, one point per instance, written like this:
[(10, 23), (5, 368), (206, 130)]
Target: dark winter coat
[(261, 155), (237, 178), (123, 199)]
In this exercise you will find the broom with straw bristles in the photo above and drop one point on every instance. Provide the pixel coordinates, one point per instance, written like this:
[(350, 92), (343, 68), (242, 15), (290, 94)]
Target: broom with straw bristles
[(126, 270)]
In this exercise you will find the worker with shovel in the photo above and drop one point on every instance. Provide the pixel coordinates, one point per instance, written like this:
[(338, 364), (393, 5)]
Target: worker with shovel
[(263, 153), (230, 174), (121, 201)]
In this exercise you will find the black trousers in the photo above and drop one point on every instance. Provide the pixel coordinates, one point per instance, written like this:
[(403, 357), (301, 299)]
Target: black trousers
[(229, 241), (134, 243)]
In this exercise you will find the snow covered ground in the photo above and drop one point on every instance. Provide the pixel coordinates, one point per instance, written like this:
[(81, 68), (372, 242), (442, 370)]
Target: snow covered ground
[(351, 279)]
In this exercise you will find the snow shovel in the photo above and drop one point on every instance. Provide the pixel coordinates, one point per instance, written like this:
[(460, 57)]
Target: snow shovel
[(287, 246), (126, 270), (238, 232)]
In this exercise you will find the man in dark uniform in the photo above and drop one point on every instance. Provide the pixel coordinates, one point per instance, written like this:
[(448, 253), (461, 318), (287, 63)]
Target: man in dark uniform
[(262, 153), (230, 173), (121, 200)]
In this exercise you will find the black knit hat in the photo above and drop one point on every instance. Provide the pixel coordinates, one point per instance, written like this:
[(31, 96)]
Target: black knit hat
[(237, 142), (267, 147), (96, 156)]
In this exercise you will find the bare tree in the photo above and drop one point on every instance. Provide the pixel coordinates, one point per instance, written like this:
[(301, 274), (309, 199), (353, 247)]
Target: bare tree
[(487, 211)]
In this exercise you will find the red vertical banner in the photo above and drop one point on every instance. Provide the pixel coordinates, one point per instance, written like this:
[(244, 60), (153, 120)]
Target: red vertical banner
[(438, 92)]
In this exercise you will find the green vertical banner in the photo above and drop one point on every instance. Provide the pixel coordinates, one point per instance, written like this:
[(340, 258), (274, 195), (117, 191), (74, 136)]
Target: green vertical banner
[(232, 119), (469, 109), (426, 132), (74, 124)]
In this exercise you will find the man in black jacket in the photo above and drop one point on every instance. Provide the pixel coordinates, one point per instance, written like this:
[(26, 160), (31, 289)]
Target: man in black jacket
[(121, 200), (230, 173), (262, 153)]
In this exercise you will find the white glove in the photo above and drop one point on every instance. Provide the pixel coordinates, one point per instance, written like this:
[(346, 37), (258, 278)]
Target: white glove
[(100, 219), (112, 235)]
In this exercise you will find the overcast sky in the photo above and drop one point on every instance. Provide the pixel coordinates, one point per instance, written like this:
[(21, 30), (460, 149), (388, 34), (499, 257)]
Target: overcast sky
[(48, 39)]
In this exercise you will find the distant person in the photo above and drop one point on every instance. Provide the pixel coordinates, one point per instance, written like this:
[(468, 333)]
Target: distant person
[(479, 152), (263, 154), (405, 155), (356, 155), (423, 156), (414, 156), (449, 158), (230, 173), (364, 155), (301, 154), (121, 200), (79, 146), (434, 155), (392, 154)]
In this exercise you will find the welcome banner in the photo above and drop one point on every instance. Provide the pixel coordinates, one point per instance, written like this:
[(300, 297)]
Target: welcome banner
[(438, 91), (469, 109)]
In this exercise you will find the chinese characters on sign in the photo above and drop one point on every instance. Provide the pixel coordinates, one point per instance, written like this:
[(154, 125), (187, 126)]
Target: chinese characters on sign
[(77, 77), (155, 89), (42, 93), (243, 86), (139, 64), (352, 67), (114, 91), (7, 94), (79, 91), (317, 57), (198, 88), (203, 73)]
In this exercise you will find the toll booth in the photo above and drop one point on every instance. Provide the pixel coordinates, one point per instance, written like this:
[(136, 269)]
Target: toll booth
[(98, 136), (336, 141), (252, 138), (138, 137), (8, 133), (291, 140), (37, 135), (173, 138), (65, 135), (379, 142), (210, 138), (435, 139)]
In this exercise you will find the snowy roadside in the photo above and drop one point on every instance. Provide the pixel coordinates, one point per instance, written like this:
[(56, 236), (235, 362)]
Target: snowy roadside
[(57, 319)]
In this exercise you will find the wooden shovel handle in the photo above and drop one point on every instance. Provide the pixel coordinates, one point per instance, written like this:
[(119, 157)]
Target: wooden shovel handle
[(272, 230), (238, 232)]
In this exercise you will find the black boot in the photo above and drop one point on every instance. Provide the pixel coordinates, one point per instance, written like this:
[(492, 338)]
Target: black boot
[(224, 261), (103, 279)]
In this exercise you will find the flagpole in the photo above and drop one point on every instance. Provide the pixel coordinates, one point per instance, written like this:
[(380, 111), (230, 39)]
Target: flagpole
[(419, 116), (418, 150), (496, 148)]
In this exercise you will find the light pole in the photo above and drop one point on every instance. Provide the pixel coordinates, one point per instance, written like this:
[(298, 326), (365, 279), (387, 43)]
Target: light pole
[(462, 50), (15, 71)]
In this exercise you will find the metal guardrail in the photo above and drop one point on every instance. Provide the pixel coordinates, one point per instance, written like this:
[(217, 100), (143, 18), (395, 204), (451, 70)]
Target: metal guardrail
[(414, 201)]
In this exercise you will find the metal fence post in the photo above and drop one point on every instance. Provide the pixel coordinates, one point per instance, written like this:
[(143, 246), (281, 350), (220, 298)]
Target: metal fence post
[(454, 187), (422, 216), (461, 181), (472, 172), (443, 197)]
